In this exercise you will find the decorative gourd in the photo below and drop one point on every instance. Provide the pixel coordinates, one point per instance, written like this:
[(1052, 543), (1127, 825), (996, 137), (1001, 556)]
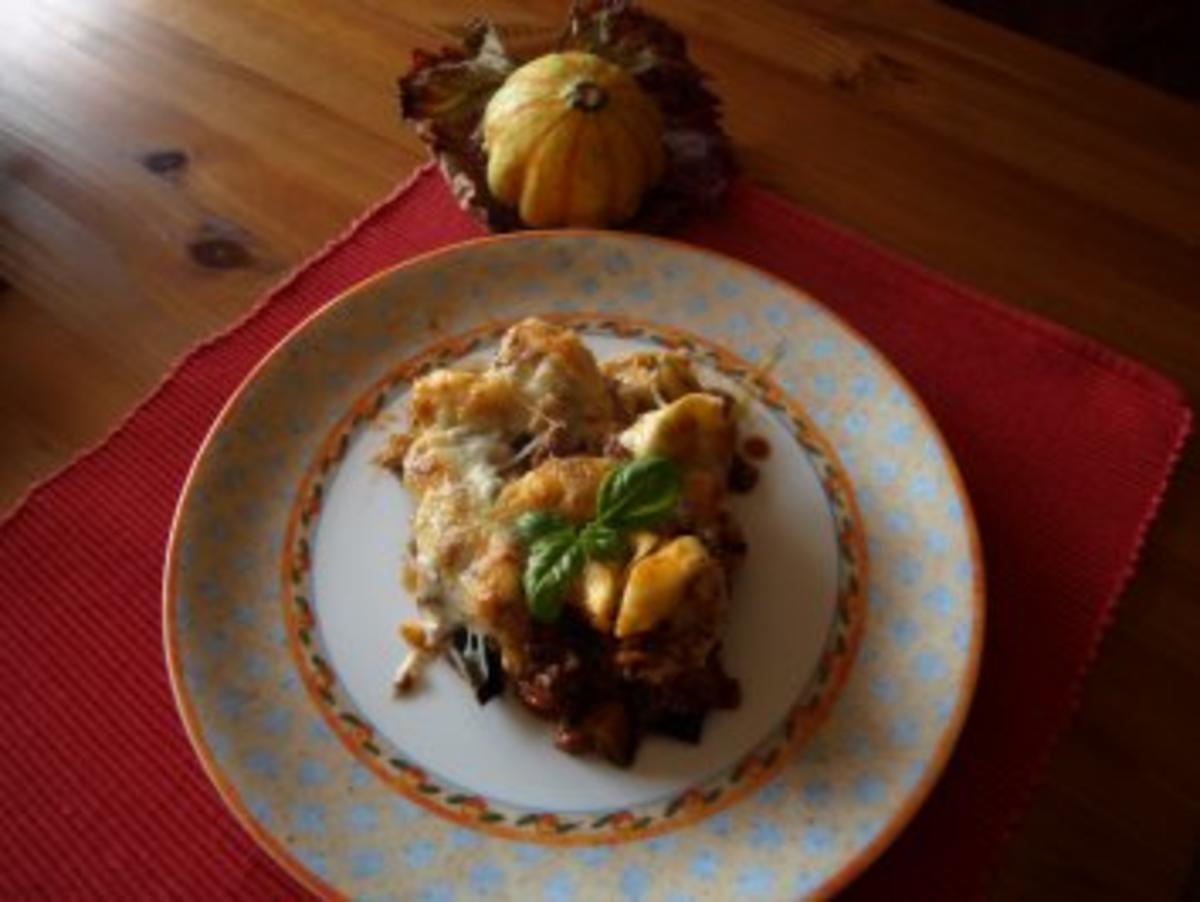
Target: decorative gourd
[(572, 140)]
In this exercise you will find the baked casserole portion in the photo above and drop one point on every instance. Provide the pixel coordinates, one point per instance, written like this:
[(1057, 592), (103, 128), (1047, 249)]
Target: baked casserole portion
[(571, 537)]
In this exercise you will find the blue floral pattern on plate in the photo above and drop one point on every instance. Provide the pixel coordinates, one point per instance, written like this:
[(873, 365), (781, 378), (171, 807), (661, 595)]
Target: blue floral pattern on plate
[(808, 830)]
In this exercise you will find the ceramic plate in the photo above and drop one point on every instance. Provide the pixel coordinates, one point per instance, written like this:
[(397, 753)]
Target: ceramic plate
[(855, 630)]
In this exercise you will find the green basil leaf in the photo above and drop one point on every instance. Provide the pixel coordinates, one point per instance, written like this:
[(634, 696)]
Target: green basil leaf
[(554, 561), (535, 525), (639, 493), (602, 542), (634, 495)]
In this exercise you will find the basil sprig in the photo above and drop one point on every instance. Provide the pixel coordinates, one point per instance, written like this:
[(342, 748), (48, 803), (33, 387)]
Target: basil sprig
[(633, 495)]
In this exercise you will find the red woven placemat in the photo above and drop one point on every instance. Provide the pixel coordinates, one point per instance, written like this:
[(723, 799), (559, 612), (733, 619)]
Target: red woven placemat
[(100, 793)]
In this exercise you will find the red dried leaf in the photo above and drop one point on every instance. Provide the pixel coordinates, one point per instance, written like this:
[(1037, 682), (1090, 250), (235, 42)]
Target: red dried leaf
[(445, 94)]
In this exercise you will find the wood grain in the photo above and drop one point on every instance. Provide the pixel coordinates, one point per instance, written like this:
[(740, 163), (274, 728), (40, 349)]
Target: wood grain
[(163, 162)]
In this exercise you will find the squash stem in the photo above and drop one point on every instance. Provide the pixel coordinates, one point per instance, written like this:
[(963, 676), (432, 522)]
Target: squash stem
[(587, 96)]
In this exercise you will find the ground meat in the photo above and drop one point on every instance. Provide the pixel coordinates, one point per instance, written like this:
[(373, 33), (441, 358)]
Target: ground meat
[(614, 449), (541, 415), (565, 668), (743, 475), (725, 542), (612, 731), (576, 676)]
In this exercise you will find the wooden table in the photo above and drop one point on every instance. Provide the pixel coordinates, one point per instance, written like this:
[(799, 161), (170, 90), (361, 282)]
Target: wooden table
[(165, 161)]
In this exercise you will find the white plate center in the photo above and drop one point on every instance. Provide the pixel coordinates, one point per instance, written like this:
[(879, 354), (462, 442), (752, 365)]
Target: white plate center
[(783, 603)]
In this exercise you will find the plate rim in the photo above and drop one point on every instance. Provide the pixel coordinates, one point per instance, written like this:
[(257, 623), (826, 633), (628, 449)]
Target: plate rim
[(805, 715), (916, 796)]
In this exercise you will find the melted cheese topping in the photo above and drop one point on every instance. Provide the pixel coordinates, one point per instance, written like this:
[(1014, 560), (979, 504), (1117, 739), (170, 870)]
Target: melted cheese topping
[(658, 583), (562, 485), (463, 427), (645, 380), (696, 430), (472, 431), (558, 380)]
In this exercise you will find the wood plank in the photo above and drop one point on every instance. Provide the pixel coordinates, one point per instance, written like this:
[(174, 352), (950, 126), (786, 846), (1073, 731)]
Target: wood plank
[(163, 162)]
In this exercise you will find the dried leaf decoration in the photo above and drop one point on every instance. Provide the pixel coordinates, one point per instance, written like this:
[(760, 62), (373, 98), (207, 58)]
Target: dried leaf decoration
[(444, 96)]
